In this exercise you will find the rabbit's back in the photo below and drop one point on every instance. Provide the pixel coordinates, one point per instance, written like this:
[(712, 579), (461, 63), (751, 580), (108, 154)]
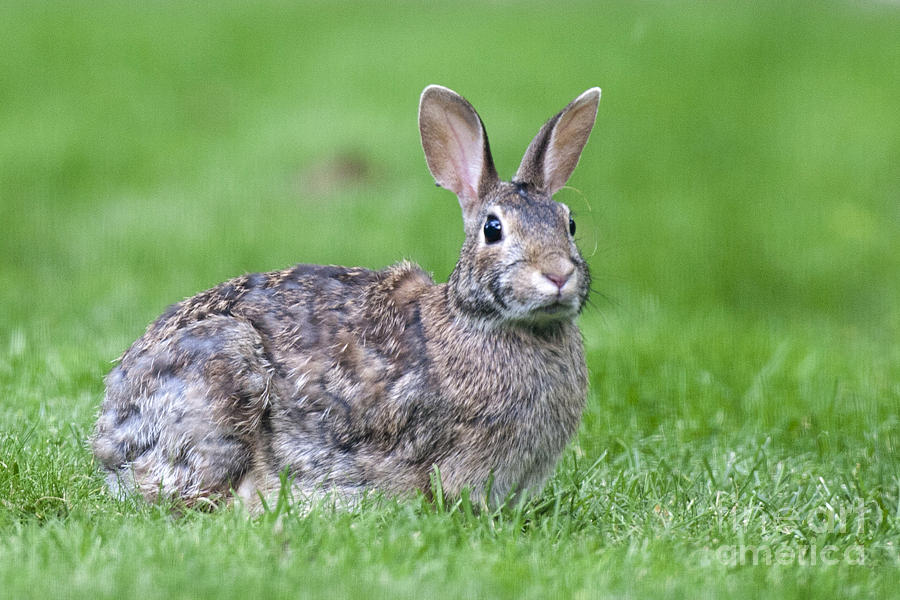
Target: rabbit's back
[(288, 369)]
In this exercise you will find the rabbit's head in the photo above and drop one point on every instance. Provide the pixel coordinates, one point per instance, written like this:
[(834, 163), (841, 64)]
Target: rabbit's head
[(519, 262)]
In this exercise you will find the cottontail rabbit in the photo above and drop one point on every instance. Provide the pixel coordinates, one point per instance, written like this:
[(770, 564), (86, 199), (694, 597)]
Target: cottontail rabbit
[(351, 379)]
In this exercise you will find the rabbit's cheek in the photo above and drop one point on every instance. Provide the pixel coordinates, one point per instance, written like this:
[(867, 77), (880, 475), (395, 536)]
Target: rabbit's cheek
[(573, 290)]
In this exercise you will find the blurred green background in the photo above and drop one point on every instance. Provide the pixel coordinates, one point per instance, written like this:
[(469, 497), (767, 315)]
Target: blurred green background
[(745, 156), (739, 199)]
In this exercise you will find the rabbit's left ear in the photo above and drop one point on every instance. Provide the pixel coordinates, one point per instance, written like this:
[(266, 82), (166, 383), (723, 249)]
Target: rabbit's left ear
[(555, 150), (456, 147)]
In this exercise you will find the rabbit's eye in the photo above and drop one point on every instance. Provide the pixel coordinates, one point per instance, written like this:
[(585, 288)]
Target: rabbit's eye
[(571, 226), (493, 230)]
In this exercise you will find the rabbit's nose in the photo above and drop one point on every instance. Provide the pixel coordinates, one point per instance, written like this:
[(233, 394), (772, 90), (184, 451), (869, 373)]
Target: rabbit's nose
[(558, 270), (558, 280)]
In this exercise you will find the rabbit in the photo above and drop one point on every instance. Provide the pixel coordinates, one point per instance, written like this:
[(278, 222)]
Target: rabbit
[(350, 380)]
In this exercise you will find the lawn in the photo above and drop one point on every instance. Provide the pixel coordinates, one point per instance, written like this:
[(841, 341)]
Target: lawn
[(739, 203)]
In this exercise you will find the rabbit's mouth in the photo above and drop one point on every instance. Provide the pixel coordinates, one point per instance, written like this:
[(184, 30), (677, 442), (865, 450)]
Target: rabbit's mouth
[(555, 311), (559, 307)]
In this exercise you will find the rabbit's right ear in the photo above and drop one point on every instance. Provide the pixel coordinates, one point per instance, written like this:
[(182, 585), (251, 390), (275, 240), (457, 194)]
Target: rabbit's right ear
[(456, 147)]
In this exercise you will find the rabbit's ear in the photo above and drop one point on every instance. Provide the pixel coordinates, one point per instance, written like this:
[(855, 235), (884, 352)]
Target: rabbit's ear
[(555, 150), (456, 146)]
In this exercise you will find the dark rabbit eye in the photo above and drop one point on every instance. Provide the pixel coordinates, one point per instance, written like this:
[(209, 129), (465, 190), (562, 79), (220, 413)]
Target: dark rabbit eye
[(493, 231), (571, 226)]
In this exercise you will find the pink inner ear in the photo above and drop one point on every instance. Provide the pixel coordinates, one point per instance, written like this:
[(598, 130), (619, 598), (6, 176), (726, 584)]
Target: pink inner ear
[(465, 156)]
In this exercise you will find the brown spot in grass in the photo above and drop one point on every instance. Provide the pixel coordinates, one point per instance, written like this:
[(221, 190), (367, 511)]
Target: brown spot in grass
[(345, 170)]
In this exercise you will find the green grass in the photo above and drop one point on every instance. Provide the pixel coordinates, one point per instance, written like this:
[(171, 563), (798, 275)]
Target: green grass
[(739, 203)]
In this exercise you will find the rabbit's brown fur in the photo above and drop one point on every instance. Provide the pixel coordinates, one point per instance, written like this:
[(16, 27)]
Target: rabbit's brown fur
[(352, 379)]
